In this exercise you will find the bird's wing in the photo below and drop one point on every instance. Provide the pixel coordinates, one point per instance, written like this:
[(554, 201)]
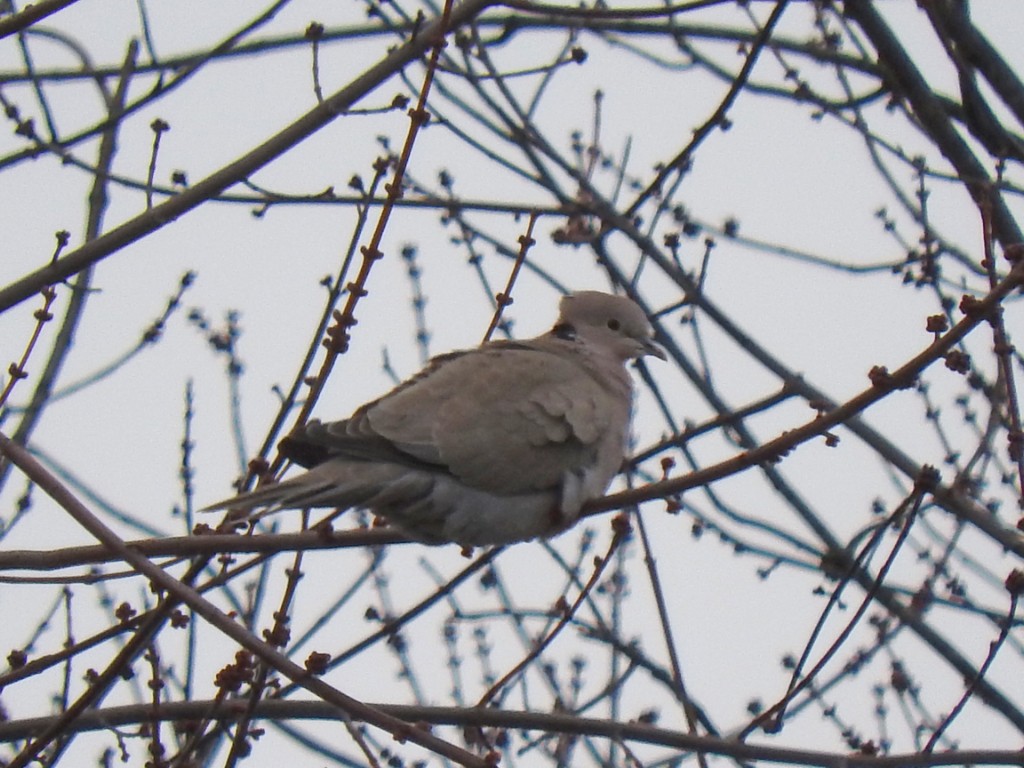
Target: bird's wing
[(505, 418)]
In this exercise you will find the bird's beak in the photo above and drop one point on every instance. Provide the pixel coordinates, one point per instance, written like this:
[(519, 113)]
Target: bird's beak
[(651, 348)]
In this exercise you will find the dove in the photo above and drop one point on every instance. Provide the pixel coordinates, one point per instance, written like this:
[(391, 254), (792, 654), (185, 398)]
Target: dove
[(493, 445)]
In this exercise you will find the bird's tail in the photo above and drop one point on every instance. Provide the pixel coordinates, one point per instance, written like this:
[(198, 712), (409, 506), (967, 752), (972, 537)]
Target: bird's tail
[(343, 485)]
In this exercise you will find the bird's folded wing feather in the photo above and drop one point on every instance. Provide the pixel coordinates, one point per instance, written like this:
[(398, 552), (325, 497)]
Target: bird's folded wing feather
[(505, 418)]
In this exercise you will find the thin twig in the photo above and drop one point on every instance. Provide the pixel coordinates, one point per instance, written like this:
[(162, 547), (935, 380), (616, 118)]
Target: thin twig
[(504, 298), (347, 706), (621, 529)]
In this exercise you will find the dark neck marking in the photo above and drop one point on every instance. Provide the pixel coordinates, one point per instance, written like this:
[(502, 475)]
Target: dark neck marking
[(564, 331)]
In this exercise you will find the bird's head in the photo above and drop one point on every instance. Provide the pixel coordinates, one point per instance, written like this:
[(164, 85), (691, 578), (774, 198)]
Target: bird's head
[(611, 323)]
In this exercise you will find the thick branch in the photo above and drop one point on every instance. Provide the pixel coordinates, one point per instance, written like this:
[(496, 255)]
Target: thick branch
[(546, 722), (155, 218)]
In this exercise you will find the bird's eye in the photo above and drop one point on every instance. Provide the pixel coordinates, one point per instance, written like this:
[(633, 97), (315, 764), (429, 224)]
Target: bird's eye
[(614, 324)]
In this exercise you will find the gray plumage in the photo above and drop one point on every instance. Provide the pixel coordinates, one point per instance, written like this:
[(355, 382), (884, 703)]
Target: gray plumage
[(492, 445)]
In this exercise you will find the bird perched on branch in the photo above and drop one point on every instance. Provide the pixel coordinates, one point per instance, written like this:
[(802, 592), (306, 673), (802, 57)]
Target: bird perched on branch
[(491, 445)]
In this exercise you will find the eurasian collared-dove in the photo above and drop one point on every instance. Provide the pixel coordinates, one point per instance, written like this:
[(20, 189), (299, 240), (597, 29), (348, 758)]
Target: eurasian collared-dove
[(485, 446)]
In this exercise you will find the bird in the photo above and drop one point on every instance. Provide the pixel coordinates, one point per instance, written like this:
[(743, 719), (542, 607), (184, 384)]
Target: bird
[(493, 445)]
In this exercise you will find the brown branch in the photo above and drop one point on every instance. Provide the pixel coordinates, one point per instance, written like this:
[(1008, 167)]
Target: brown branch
[(504, 298), (142, 625), (278, 636), (172, 209), (979, 52), (363, 206), (905, 514), (621, 528), (338, 335), (671, 647), (772, 451), (349, 706), (599, 12), (972, 685), (906, 80), (718, 117), (19, 370), (549, 722), (182, 547), (32, 13), (80, 289)]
